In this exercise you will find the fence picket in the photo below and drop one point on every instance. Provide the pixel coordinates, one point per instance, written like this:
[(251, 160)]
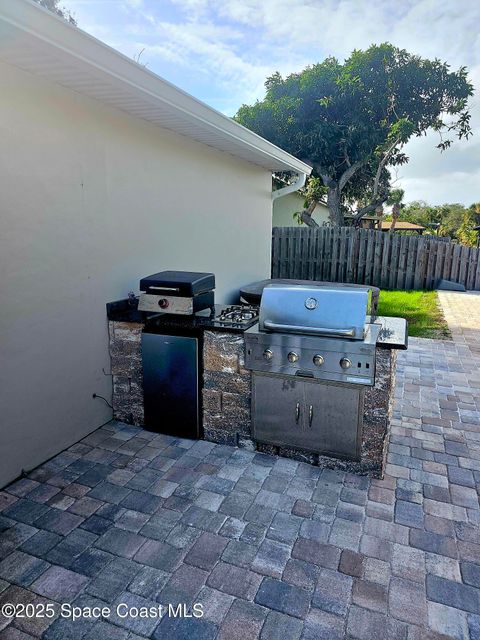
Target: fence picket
[(366, 256)]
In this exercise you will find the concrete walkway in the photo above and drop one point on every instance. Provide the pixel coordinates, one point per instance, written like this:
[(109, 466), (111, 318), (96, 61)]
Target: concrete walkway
[(462, 312), (272, 549)]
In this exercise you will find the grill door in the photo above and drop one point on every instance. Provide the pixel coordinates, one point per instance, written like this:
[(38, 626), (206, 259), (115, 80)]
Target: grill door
[(333, 418), (315, 416), (278, 405)]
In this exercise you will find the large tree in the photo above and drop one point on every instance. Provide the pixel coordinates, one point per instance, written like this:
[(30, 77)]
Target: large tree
[(350, 121), (55, 7)]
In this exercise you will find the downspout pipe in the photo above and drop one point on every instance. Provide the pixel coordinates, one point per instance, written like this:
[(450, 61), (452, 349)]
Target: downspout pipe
[(295, 186)]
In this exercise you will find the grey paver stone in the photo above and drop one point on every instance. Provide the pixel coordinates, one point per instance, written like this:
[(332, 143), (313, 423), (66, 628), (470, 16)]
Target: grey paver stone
[(283, 597), (471, 573), (407, 601), (22, 569), (333, 592), (59, 584), (120, 542), (433, 542), (370, 595), (108, 492), (244, 620), (182, 587), (149, 582), (320, 625), (301, 574), (215, 604), (239, 553), (453, 594), (111, 581), (351, 563), (185, 629), (278, 626), (58, 521), (206, 551), (159, 555), (447, 621), (235, 581), (271, 558), (324, 555), (365, 625)]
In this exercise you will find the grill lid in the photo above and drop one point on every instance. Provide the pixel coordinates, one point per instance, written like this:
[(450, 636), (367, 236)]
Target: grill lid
[(178, 283), (313, 310)]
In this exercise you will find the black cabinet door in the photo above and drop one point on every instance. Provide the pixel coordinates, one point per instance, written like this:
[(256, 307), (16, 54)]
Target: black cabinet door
[(170, 384)]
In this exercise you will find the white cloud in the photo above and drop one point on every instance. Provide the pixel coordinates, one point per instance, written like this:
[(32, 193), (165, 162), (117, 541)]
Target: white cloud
[(225, 50)]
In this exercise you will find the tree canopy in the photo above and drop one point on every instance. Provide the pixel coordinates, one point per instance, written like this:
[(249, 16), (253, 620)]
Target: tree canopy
[(350, 120), (55, 7), (453, 220)]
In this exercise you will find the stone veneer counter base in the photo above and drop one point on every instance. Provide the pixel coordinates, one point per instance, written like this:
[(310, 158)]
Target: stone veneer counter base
[(227, 397)]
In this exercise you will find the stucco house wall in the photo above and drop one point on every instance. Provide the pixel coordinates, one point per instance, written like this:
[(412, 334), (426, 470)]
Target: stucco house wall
[(286, 206), (93, 199)]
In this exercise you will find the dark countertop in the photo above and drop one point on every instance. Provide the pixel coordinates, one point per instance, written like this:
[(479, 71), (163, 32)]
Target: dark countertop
[(393, 335), (126, 311)]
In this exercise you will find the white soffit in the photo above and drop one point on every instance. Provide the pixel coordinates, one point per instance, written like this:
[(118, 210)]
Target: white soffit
[(37, 41)]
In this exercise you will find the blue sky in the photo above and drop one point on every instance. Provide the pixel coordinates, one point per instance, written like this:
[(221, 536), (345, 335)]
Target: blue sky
[(221, 51)]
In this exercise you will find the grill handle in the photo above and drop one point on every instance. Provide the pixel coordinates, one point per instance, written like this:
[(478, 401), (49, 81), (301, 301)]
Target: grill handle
[(321, 331)]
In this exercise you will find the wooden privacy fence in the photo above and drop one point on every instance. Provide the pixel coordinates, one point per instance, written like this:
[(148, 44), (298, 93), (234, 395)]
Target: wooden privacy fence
[(364, 256)]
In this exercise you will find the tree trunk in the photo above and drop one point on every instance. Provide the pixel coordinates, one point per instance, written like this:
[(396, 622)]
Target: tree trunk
[(307, 219), (334, 206), (395, 214)]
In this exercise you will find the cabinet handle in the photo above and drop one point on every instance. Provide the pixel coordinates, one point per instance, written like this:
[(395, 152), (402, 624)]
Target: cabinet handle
[(297, 412), (310, 415)]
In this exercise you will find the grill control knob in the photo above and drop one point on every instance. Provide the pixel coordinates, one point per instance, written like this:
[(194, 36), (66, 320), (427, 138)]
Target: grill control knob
[(345, 363), (318, 360), (268, 354), (163, 303), (292, 357)]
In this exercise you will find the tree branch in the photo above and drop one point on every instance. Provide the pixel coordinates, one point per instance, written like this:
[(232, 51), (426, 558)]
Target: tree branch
[(381, 166), (349, 173), (376, 200), (370, 207)]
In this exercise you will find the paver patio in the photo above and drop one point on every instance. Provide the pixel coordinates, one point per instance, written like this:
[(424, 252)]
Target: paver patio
[(272, 548)]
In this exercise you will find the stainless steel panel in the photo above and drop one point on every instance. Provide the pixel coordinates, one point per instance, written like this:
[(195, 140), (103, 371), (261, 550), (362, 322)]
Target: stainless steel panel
[(278, 409), (335, 418), (301, 308), (330, 415), (170, 384), (165, 304), (361, 354)]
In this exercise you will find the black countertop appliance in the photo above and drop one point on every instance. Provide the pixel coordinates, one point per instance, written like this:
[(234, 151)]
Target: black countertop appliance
[(177, 292), (171, 353)]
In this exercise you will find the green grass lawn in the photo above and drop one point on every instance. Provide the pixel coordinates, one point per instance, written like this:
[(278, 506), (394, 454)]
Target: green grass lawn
[(420, 308)]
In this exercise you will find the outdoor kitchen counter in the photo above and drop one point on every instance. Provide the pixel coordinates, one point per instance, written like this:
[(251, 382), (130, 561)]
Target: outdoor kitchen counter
[(227, 387), (393, 334), (227, 403)]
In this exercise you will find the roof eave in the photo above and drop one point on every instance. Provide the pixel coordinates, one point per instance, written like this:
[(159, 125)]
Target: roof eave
[(37, 40)]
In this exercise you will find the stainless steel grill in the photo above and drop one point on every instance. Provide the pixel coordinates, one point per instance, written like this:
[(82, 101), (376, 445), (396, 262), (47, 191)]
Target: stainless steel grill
[(312, 354), (314, 332)]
